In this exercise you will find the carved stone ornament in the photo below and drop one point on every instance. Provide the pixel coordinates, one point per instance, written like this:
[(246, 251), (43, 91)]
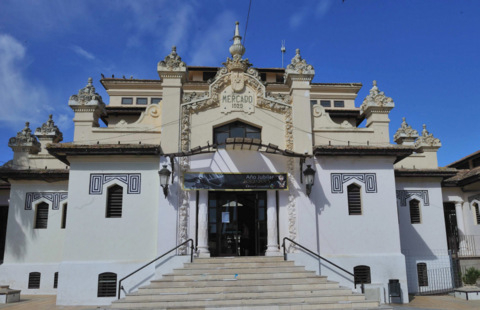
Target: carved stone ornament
[(49, 131), (86, 96), (405, 133), (427, 139), (377, 99), (299, 66), (25, 141), (172, 62)]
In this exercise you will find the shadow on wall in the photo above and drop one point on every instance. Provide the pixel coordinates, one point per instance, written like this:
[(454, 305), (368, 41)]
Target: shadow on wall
[(19, 224)]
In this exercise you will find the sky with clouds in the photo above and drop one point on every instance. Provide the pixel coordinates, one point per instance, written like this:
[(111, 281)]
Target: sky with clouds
[(424, 54)]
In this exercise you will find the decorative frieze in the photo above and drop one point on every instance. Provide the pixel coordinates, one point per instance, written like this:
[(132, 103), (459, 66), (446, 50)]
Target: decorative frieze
[(132, 180), (369, 179), (404, 195), (54, 197)]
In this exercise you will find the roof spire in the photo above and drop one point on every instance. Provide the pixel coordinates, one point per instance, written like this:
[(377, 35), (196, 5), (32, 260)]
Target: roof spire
[(237, 48)]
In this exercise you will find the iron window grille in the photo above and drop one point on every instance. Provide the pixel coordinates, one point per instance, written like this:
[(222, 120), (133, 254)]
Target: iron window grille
[(415, 212), (422, 274), (362, 274), (64, 217), (55, 280), (354, 200), (34, 280), (41, 216), (107, 284), (114, 201)]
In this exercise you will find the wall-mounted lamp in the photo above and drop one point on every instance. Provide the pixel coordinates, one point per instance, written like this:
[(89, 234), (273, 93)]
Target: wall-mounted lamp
[(164, 176), (309, 174)]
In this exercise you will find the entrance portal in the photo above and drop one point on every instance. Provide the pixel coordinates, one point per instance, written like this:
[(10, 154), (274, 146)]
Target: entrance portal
[(237, 223)]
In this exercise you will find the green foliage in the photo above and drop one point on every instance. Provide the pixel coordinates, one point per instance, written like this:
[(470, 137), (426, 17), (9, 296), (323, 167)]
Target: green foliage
[(471, 275)]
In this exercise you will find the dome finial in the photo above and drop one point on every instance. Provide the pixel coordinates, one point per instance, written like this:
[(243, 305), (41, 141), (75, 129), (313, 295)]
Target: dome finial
[(237, 48)]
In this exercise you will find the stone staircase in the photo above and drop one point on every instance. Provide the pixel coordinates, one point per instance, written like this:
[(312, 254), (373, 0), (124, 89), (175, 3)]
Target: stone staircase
[(243, 283)]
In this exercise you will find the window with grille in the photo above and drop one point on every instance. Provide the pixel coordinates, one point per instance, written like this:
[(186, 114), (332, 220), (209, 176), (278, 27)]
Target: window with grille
[(325, 103), (422, 274), (41, 216), (339, 104), (415, 212), (55, 280), (34, 280), (362, 274), (354, 200), (114, 201), (476, 208), (64, 217), (107, 284), (235, 130)]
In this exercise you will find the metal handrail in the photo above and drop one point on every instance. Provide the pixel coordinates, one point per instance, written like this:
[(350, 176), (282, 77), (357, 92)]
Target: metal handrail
[(120, 287), (321, 257)]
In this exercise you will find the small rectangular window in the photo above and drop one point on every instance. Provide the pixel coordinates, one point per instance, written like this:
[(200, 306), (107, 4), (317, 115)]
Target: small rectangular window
[(422, 274), (313, 102), (415, 217), (142, 100), (107, 284), (34, 280), (127, 100), (156, 100), (354, 200), (476, 208), (325, 103), (55, 280), (339, 104), (64, 217)]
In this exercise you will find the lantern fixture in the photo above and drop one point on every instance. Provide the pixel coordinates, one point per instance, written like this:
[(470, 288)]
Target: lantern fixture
[(164, 176), (309, 175)]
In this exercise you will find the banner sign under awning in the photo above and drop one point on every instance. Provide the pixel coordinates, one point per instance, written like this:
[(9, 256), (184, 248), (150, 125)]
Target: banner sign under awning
[(234, 181)]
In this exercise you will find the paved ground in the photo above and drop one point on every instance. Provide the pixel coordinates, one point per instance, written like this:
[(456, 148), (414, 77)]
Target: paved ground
[(41, 302)]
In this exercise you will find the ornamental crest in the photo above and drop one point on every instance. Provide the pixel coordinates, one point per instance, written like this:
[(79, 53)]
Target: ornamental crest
[(172, 62), (86, 95), (427, 139), (238, 81), (376, 98)]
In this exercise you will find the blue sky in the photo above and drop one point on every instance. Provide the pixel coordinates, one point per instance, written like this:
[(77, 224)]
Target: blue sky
[(423, 53)]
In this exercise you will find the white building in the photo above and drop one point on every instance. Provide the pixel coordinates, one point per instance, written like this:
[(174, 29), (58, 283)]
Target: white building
[(237, 140)]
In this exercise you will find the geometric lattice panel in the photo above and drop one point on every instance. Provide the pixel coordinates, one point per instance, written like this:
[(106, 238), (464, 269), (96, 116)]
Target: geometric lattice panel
[(132, 180), (403, 196), (338, 179), (54, 197)]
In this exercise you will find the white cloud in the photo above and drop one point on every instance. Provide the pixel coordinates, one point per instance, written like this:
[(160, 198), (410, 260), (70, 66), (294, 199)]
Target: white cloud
[(208, 45), (321, 9), (80, 51), (20, 99)]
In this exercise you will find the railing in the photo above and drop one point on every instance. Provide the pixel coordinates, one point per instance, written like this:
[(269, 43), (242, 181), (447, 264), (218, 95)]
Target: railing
[(322, 258), (120, 287), (440, 281)]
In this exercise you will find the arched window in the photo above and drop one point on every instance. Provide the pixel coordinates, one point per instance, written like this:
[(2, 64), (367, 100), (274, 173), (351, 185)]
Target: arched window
[(235, 130), (41, 216), (362, 274), (34, 280), (422, 274), (477, 213), (114, 201), (415, 217), (354, 200), (107, 284)]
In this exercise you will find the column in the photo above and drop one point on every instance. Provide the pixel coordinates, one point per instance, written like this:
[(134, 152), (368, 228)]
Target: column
[(461, 228), (202, 245), (272, 233)]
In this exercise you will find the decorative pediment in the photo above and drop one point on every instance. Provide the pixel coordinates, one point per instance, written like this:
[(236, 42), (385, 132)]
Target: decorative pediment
[(172, 62), (405, 134), (427, 139), (49, 131), (377, 99), (24, 141), (86, 96)]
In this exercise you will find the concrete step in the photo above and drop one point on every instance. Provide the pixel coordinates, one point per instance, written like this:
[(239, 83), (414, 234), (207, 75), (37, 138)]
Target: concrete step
[(238, 270), (232, 282), (239, 259), (247, 288), (234, 264), (228, 302), (239, 276), (238, 295)]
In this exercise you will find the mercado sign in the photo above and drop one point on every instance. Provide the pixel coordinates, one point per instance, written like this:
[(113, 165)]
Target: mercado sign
[(234, 181), (243, 101)]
